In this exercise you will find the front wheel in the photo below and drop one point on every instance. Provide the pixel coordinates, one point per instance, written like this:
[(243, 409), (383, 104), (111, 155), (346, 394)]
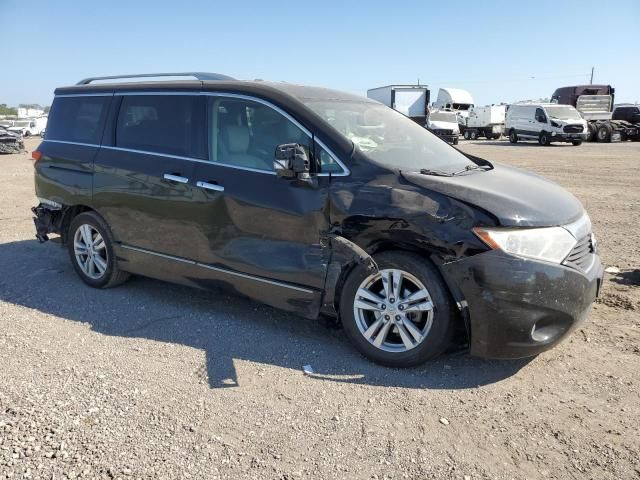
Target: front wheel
[(400, 316), (513, 137), (90, 247), (544, 139)]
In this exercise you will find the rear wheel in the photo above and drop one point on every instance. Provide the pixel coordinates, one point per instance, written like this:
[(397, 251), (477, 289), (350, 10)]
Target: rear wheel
[(591, 132), (513, 138), (90, 247), (544, 139), (473, 135), (466, 134), (604, 133), (400, 316), (455, 141), (575, 143)]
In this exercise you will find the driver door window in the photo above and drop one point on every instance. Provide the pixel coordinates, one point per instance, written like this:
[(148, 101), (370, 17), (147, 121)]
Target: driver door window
[(540, 116), (245, 134)]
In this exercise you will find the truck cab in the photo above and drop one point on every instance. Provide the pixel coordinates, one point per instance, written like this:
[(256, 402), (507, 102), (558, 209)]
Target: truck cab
[(444, 123)]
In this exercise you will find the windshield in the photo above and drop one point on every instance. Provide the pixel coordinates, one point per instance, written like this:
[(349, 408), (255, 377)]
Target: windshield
[(388, 137), (443, 117), (462, 106), (563, 112)]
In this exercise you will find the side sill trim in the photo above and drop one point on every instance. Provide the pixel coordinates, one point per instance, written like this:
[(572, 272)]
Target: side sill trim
[(217, 269)]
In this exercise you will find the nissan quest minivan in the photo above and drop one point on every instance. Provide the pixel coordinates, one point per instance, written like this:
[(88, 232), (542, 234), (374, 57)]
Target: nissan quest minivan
[(545, 123), (316, 202)]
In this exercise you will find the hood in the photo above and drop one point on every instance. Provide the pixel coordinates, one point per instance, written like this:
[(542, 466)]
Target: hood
[(440, 125), (516, 197)]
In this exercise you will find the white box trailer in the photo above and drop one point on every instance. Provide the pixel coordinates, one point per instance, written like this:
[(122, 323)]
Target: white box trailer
[(410, 100), (485, 121)]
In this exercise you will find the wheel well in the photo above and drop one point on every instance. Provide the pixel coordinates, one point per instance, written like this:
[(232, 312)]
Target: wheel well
[(67, 217), (463, 325)]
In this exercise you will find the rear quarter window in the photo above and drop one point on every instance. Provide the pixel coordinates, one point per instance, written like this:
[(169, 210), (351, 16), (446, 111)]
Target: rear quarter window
[(78, 119)]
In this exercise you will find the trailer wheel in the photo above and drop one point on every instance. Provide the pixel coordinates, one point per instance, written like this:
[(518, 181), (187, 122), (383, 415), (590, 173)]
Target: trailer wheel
[(513, 138), (473, 135), (592, 130), (604, 133), (466, 135)]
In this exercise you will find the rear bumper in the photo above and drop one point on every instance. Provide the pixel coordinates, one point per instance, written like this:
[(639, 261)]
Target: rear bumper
[(518, 307)]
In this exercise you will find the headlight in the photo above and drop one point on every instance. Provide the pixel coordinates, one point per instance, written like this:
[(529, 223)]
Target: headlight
[(551, 244)]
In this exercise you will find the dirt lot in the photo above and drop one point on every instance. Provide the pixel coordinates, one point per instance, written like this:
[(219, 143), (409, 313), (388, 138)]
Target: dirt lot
[(151, 380)]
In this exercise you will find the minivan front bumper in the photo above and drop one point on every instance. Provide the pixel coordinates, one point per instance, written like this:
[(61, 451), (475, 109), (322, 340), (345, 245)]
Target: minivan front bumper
[(519, 307)]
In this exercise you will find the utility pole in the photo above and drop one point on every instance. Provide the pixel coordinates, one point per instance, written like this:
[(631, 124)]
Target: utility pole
[(591, 81)]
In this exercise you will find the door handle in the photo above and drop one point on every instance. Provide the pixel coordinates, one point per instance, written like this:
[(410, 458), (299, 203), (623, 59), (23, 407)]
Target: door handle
[(175, 178), (210, 186)]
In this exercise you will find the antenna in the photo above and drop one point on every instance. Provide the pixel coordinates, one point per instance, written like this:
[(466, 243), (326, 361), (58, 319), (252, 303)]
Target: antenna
[(591, 81)]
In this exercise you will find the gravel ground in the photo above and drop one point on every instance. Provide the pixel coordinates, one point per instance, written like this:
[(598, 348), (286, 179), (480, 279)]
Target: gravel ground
[(152, 380)]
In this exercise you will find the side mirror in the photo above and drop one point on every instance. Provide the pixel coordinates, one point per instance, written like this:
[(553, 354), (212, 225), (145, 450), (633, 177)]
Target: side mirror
[(291, 161)]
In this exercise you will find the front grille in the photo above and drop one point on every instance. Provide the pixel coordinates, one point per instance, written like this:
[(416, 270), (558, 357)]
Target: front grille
[(442, 131), (573, 129), (581, 257)]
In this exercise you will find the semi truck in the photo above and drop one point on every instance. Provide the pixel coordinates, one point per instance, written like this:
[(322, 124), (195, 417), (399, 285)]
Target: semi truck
[(456, 99), (413, 101), (595, 103)]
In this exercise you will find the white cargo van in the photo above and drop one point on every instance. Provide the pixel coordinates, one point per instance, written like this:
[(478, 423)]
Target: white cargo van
[(546, 123), (28, 126)]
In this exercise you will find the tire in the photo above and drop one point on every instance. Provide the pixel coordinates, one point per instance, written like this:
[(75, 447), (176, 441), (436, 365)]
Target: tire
[(473, 135), (592, 130), (576, 143), (544, 139), (455, 141), (399, 347), (496, 136), (466, 134), (513, 137), (84, 230), (623, 136), (603, 134)]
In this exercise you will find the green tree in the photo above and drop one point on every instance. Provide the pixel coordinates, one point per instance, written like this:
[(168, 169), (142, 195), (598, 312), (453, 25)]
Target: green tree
[(4, 110)]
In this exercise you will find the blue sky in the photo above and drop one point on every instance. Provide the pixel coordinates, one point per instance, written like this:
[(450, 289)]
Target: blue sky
[(499, 51)]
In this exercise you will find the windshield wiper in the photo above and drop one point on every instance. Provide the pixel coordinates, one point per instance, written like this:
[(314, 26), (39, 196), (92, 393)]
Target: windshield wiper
[(438, 173), (469, 168)]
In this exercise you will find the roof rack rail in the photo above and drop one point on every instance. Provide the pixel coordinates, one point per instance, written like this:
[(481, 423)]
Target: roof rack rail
[(196, 75)]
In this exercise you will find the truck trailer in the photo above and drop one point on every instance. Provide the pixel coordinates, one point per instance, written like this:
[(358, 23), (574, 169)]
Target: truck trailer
[(410, 100), (485, 121), (595, 103)]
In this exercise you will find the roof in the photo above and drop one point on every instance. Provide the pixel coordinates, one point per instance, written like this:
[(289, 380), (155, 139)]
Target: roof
[(457, 95)]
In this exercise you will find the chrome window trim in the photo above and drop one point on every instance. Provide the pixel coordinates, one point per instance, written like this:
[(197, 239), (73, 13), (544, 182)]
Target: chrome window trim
[(217, 269), (71, 143), (71, 95), (345, 170)]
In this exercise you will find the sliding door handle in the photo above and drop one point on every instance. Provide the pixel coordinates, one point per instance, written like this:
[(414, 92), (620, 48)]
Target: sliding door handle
[(210, 186), (175, 178)]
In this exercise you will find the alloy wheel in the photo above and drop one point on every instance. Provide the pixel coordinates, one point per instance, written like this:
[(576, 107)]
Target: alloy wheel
[(393, 310), (90, 251)]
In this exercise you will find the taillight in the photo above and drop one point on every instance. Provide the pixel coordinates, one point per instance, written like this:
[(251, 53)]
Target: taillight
[(35, 156)]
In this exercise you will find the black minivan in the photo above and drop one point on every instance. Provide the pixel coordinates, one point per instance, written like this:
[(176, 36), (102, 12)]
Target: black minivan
[(316, 202)]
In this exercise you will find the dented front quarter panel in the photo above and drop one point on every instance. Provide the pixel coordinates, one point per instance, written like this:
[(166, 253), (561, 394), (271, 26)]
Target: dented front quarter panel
[(378, 209)]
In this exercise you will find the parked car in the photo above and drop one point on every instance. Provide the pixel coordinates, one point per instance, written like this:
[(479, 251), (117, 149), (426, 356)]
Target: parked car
[(314, 201), (10, 142), (546, 123)]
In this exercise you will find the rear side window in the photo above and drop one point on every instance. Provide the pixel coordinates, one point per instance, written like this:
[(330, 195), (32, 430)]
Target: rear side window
[(169, 124), (78, 119)]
